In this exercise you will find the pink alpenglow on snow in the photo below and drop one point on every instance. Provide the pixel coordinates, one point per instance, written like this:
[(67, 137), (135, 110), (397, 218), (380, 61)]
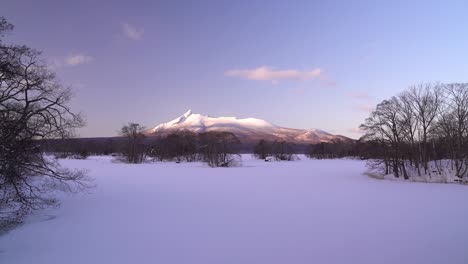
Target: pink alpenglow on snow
[(247, 129)]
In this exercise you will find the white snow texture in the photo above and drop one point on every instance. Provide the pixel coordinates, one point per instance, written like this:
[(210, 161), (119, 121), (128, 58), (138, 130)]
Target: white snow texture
[(306, 211)]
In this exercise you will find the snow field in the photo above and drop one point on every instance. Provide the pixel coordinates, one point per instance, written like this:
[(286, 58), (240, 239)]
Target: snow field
[(306, 211)]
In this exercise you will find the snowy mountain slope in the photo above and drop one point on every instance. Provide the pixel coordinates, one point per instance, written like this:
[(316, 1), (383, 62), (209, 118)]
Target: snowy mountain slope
[(247, 129)]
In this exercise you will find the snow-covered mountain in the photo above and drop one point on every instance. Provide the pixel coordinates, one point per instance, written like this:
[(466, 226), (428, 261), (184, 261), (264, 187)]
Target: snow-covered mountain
[(246, 129)]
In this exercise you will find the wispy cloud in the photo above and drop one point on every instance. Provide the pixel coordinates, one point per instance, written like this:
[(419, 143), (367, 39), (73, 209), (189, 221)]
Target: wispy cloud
[(265, 73), (78, 59), (131, 31), (360, 95)]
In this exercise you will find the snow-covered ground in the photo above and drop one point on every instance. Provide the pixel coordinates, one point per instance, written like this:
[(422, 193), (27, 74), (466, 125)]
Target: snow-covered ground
[(307, 211)]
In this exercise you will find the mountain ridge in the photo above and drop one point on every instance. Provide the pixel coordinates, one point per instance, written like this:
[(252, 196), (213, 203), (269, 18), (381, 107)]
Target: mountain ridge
[(248, 130)]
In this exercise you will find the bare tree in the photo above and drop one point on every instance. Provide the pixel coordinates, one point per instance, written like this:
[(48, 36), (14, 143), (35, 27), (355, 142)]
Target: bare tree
[(426, 100), (410, 124), (454, 124), (262, 149), (374, 133), (283, 150), (385, 126), (219, 149), (423, 130), (178, 146), (33, 106), (134, 148)]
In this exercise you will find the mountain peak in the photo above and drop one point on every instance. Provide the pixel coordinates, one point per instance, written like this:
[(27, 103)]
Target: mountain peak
[(188, 113), (247, 129)]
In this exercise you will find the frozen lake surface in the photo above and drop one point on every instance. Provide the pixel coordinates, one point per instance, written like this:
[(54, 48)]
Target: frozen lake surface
[(307, 211)]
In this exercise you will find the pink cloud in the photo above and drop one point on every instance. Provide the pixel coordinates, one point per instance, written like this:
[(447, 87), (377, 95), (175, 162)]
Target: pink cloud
[(265, 73)]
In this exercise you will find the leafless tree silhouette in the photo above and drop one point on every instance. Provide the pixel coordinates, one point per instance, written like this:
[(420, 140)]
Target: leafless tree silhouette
[(33, 106)]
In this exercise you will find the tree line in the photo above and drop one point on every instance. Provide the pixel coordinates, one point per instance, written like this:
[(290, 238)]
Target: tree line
[(279, 150), (186, 146), (421, 131), (217, 149)]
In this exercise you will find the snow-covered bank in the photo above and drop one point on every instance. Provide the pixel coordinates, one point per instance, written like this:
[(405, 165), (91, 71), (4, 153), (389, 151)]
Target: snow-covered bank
[(440, 171), (306, 211), (436, 178)]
